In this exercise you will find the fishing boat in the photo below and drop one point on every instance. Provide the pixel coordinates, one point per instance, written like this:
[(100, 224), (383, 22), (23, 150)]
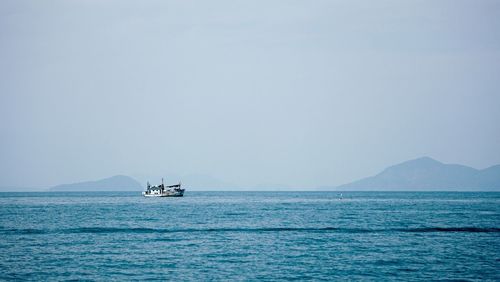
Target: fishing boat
[(163, 190)]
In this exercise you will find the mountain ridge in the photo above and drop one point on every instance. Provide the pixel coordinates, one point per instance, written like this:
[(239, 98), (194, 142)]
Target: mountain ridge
[(428, 174), (113, 183)]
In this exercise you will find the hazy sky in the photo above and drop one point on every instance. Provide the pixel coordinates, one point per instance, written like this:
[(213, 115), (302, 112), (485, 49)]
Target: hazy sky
[(255, 93)]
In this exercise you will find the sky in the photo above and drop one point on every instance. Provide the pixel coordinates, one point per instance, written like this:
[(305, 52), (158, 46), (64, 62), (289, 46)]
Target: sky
[(289, 94)]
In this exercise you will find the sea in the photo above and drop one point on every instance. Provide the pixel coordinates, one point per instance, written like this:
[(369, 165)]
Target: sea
[(250, 236)]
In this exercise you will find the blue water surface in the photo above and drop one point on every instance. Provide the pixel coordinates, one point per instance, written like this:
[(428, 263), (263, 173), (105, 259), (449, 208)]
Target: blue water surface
[(250, 236)]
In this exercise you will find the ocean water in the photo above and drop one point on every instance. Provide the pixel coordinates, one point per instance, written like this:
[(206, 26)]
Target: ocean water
[(250, 236)]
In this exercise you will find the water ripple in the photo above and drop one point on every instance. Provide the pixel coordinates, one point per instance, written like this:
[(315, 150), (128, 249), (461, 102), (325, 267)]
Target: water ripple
[(99, 230)]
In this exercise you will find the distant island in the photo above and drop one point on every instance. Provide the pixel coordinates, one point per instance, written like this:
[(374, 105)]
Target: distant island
[(427, 174), (114, 183), (422, 174)]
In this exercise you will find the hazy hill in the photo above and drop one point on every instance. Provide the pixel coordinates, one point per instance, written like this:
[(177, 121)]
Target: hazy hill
[(115, 183), (428, 174)]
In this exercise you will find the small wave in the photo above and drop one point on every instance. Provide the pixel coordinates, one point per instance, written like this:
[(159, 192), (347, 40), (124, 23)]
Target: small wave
[(97, 230), (106, 230), (189, 230), (451, 229), (27, 231), (283, 229)]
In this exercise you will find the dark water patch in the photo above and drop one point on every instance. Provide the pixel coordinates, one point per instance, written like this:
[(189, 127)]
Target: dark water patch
[(235, 213), (25, 231), (143, 230), (169, 239), (99, 230), (407, 269), (451, 229), (287, 229)]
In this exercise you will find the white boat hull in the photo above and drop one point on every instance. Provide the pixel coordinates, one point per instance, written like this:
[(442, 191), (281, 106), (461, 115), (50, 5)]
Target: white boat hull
[(165, 194), (164, 190)]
